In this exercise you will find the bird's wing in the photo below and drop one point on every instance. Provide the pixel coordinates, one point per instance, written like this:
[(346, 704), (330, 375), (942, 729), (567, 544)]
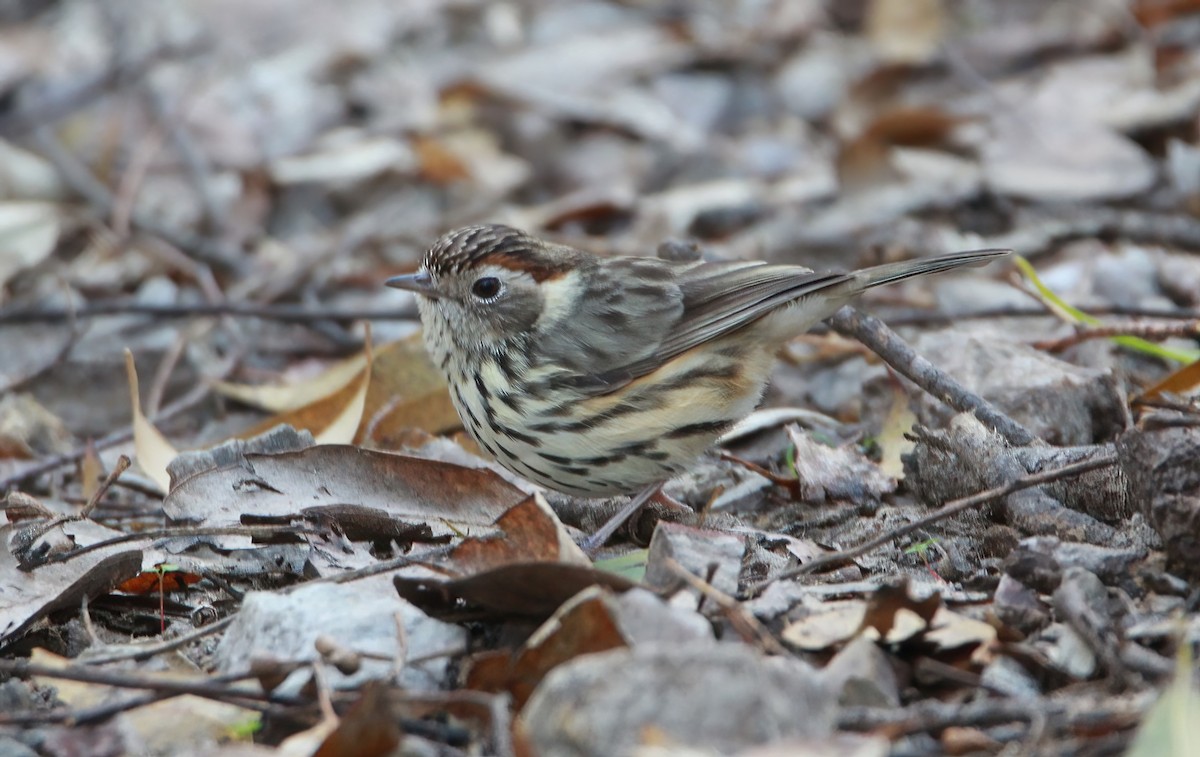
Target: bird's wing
[(623, 311), (639, 313), (721, 298)]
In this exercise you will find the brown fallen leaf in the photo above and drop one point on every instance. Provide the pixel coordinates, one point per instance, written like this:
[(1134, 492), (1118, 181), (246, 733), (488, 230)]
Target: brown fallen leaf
[(152, 452), (882, 606), (397, 385), (407, 391), (437, 163), (366, 730), (449, 499), (585, 624), (332, 419), (516, 590), (293, 395), (1183, 380), (528, 532)]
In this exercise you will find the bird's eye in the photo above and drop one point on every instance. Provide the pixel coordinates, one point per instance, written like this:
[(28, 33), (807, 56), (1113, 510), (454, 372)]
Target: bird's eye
[(486, 287)]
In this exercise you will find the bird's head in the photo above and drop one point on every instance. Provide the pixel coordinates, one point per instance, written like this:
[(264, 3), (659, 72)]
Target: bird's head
[(482, 285)]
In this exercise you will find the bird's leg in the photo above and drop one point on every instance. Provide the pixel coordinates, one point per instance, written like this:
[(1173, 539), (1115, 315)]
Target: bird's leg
[(597, 540)]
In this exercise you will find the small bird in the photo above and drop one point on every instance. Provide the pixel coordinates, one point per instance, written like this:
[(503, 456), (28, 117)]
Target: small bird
[(601, 376)]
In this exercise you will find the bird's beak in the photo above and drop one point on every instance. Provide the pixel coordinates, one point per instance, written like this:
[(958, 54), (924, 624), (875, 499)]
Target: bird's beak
[(420, 282)]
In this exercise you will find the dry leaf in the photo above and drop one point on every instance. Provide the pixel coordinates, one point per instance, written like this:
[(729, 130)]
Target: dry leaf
[(905, 31), (893, 443), (152, 452), (451, 499), (516, 590), (394, 391), (529, 532), (1181, 381), (282, 397), (438, 164), (91, 472), (407, 392), (343, 426), (368, 729), (584, 625), (332, 419)]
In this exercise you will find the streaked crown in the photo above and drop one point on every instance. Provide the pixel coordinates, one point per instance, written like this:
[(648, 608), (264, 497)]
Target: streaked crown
[(493, 244)]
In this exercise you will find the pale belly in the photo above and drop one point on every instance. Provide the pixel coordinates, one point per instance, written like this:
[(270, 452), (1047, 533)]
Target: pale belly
[(617, 443)]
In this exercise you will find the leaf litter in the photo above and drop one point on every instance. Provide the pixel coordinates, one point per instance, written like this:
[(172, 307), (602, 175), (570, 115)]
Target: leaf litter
[(334, 567)]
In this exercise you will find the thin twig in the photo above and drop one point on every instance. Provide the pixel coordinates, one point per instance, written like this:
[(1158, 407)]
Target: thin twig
[(745, 623), (941, 318), (934, 716), (151, 650), (951, 508), (123, 463), (184, 403), (895, 352), (1151, 331), (203, 687), (287, 313), (174, 533)]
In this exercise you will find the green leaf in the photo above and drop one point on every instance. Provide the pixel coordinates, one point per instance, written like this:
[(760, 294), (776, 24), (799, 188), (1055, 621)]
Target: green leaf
[(244, 730), (921, 547), (1074, 314), (1170, 727), (631, 565)]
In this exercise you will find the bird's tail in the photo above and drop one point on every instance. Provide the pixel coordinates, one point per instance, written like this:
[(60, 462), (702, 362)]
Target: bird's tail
[(893, 272), (825, 294)]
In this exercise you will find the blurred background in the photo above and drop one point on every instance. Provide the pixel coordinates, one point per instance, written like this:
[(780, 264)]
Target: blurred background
[(279, 158)]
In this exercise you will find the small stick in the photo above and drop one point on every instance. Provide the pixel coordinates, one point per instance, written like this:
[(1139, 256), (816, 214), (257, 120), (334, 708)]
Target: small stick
[(186, 402), (1151, 331), (209, 688), (285, 313), (895, 352), (123, 463), (150, 650), (944, 319), (951, 508), (743, 621), (172, 533)]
